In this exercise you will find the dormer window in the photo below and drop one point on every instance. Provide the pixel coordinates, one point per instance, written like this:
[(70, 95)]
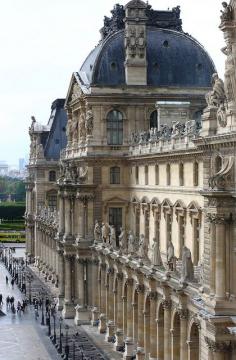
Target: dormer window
[(52, 176)]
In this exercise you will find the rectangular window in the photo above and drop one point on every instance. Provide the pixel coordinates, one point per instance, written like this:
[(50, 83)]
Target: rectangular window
[(115, 175), (137, 175), (115, 218)]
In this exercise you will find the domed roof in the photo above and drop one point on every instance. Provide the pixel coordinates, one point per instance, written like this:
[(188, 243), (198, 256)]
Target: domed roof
[(174, 59)]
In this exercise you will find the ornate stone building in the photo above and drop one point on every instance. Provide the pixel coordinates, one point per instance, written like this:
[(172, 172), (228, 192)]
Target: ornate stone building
[(141, 237)]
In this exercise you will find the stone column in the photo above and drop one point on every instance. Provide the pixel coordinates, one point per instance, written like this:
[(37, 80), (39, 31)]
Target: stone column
[(69, 309), (61, 228), (167, 326), (129, 342), (183, 334), (61, 274), (212, 258), (67, 217), (153, 326), (220, 257), (119, 344), (102, 305), (82, 312), (220, 350), (110, 306), (140, 290)]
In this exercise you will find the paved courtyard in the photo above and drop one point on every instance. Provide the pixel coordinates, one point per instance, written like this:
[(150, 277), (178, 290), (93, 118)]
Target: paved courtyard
[(22, 338)]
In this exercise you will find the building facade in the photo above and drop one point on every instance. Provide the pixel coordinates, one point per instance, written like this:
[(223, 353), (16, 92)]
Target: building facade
[(137, 227)]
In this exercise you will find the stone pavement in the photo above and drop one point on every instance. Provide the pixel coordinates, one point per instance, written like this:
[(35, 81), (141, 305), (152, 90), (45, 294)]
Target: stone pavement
[(21, 337)]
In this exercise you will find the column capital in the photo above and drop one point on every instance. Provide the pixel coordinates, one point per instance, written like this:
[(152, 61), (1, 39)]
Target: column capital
[(218, 346), (140, 288), (183, 314), (218, 218), (167, 304), (152, 295)]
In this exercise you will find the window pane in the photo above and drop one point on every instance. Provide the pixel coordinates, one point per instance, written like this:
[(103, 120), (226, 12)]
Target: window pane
[(114, 128)]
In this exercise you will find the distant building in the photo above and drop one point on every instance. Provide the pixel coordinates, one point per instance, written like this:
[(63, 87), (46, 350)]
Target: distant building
[(4, 168), (22, 164)]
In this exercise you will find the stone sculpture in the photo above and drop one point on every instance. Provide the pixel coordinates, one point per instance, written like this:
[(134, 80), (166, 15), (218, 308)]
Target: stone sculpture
[(89, 122), (187, 271), (69, 130), (156, 255), (105, 233), (131, 243), (123, 240), (97, 232), (171, 260), (142, 247), (227, 12), (113, 236), (216, 96), (82, 131)]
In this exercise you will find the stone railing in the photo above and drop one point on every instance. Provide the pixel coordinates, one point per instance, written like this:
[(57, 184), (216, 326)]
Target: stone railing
[(179, 136)]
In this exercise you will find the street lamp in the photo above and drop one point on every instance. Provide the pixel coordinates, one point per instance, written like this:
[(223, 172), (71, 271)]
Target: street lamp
[(53, 312), (67, 349), (49, 321), (42, 299), (60, 340)]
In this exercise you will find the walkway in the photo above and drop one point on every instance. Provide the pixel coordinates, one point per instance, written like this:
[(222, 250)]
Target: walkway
[(21, 336)]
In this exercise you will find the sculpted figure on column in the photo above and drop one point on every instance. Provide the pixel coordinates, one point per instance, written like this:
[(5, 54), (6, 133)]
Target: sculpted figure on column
[(113, 236), (69, 130), (142, 247), (131, 243), (156, 254), (187, 271), (89, 122), (123, 240), (216, 97), (97, 232), (171, 259), (105, 233)]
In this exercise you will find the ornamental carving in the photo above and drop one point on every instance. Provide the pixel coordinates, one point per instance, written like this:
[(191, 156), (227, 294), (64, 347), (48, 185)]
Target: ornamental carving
[(219, 346), (135, 42), (216, 97), (183, 313), (89, 122), (152, 295), (167, 304), (140, 288), (82, 128), (226, 13), (218, 218), (76, 92), (223, 177)]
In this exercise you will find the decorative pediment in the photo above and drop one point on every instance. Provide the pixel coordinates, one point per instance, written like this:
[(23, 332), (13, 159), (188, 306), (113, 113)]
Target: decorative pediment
[(74, 91), (115, 201)]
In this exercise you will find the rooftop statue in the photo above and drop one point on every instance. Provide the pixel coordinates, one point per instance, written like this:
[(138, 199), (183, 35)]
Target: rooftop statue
[(187, 271), (97, 232), (227, 12)]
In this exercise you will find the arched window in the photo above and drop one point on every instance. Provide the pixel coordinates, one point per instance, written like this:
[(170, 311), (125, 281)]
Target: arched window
[(153, 123), (157, 174), (114, 128), (181, 174), (195, 174), (52, 176), (115, 175), (146, 174), (168, 174), (218, 163)]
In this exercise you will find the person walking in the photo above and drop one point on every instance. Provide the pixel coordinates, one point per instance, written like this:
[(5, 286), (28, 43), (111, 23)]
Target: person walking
[(6, 280), (8, 301), (12, 283), (1, 302), (12, 301)]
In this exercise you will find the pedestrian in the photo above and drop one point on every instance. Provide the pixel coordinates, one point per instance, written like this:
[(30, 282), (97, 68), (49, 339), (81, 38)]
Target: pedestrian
[(12, 283), (6, 280), (8, 301), (13, 309), (1, 302), (18, 309), (12, 301)]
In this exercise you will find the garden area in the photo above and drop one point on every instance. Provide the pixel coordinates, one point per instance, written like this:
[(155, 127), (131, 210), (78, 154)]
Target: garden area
[(12, 209)]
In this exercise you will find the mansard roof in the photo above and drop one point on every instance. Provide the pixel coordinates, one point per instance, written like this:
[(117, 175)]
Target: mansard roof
[(175, 59), (55, 139)]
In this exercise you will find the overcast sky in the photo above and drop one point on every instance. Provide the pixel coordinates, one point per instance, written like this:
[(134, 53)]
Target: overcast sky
[(43, 42)]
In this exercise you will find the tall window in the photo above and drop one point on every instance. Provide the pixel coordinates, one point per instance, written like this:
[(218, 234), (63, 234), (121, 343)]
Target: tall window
[(115, 175), (114, 128), (52, 200), (146, 174), (168, 174), (115, 218), (181, 174), (195, 174), (136, 174), (196, 240), (153, 120), (218, 164), (157, 174), (52, 176)]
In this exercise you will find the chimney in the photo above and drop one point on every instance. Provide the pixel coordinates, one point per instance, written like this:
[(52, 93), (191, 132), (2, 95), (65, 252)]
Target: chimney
[(135, 43)]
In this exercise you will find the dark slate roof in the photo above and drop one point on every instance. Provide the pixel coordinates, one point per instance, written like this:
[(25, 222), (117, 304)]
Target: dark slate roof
[(56, 137), (174, 59)]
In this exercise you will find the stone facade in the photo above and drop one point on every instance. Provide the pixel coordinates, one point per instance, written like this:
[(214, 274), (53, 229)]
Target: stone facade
[(142, 241)]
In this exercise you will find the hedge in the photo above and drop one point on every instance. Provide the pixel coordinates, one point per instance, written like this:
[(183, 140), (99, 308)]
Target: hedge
[(12, 211)]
